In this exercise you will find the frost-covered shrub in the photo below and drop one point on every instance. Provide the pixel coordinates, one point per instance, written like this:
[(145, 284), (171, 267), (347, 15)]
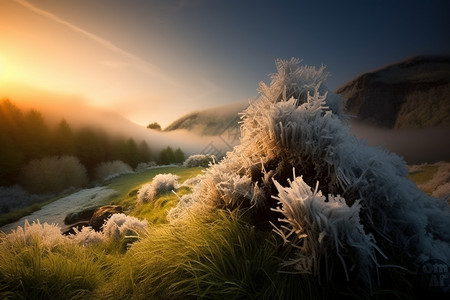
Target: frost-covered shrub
[(416, 168), (87, 236), (49, 235), (110, 169), (115, 227), (192, 181), (142, 166), (119, 225), (199, 160), (322, 227), (296, 124), (160, 184), (53, 174), (14, 197), (439, 180), (442, 191)]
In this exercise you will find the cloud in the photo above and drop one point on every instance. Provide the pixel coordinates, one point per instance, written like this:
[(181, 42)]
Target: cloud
[(139, 63)]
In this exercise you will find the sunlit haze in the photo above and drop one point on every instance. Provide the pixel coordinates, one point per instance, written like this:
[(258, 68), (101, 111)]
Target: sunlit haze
[(154, 61)]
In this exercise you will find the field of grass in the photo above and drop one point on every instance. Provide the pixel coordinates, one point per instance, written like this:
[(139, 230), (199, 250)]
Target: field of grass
[(125, 185), (155, 211), (219, 256)]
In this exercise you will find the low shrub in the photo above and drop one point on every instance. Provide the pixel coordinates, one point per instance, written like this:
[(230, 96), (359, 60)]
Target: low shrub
[(145, 166), (53, 174), (15, 197), (199, 160), (160, 184), (111, 169)]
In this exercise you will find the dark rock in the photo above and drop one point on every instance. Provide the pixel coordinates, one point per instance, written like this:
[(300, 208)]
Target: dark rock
[(75, 217), (410, 94), (103, 213), (71, 229)]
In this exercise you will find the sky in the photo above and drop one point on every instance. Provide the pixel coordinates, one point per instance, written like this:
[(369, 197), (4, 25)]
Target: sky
[(156, 60)]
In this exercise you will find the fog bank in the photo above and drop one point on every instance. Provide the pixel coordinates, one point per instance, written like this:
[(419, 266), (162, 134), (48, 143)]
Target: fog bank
[(428, 145)]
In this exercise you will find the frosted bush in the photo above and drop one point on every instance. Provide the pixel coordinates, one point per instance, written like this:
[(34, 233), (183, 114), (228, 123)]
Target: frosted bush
[(160, 184), (49, 235), (442, 191), (53, 174), (440, 178), (13, 197), (111, 169), (191, 182), (416, 168), (296, 124), (199, 160), (120, 225), (87, 236), (178, 213), (323, 228), (142, 166)]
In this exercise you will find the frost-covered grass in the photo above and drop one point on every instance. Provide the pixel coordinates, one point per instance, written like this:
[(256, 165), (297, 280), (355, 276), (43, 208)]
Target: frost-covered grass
[(199, 160), (221, 256), (433, 179), (161, 183), (43, 266)]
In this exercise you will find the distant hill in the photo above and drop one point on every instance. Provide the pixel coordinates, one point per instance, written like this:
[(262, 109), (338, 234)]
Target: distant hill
[(78, 113), (212, 121), (414, 93)]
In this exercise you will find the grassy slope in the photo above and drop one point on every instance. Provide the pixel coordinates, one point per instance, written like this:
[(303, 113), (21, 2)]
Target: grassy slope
[(126, 185), (155, 211), (221, 257)]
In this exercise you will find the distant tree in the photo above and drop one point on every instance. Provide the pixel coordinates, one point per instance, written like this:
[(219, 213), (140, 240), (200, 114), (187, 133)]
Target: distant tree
[(53, 174), (63, 139), (37, 135), (90, 147), (132, 153), (12, 121), (179, 156), (11, 159), (145, 153), (166, 156), (154, 126)]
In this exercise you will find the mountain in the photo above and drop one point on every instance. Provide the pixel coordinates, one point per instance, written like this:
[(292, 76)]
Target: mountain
[(212, 121), (414, 93), (78, 113)]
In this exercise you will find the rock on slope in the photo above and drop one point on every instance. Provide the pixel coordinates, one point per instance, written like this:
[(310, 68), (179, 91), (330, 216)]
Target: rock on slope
[(414, 93)]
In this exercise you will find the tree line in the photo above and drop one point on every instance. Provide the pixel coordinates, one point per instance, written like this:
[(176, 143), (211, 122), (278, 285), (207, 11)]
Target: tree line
[(26, 136)]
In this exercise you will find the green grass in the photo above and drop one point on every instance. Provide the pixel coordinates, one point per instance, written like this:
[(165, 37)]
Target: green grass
[(215, 256), (126, 185), (219, 258), (129, 182), (155, 211), (34, 271)]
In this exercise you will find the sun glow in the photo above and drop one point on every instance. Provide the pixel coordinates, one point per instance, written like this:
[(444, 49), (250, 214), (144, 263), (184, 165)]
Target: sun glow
[(7, 71)]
